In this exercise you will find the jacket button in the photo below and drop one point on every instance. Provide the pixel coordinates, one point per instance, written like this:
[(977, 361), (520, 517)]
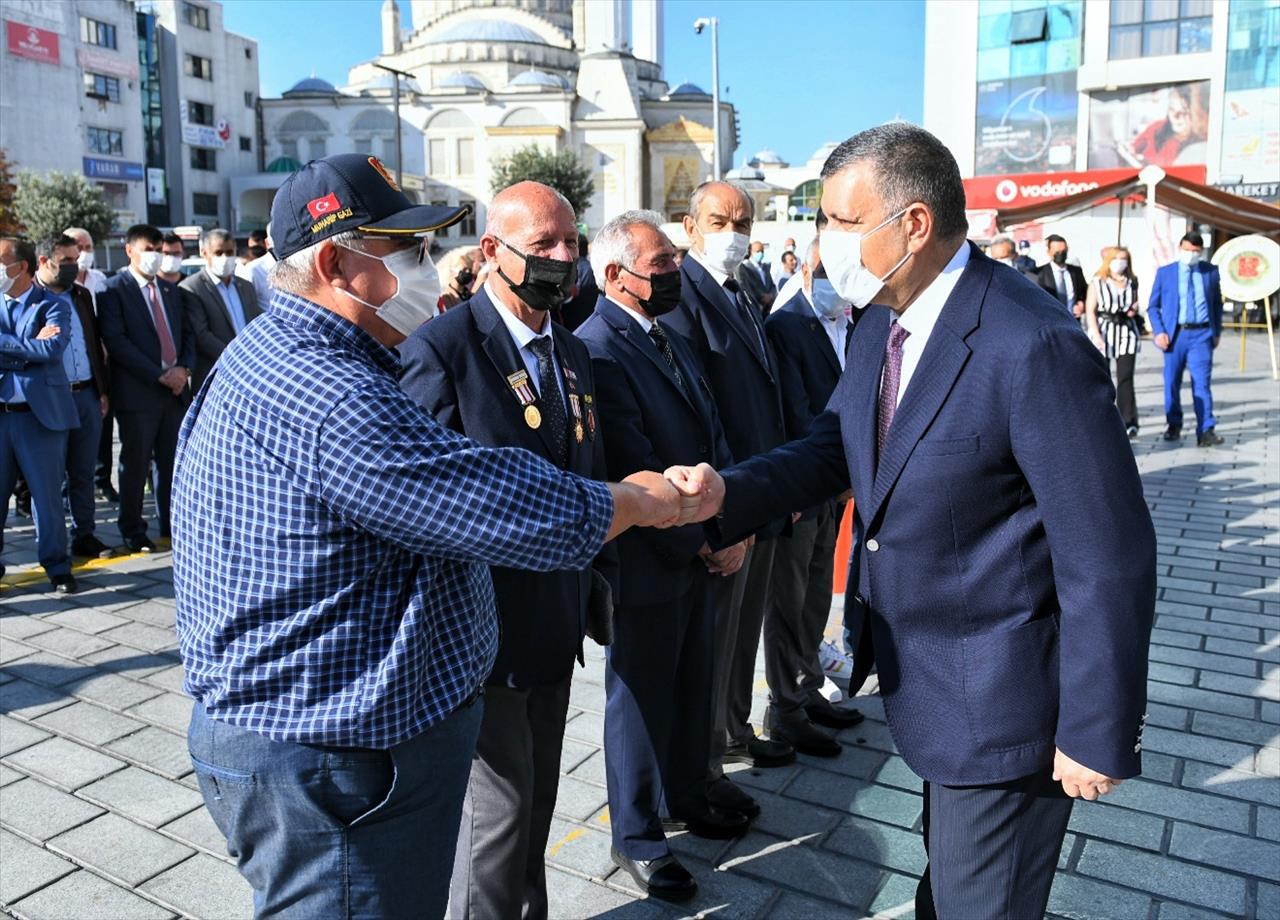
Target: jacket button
[(1137, 748), (873, 545), (702, 449)]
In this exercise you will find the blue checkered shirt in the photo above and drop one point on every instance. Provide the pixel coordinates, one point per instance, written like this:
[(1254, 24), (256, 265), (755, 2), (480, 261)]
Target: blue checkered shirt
[(332, 539)]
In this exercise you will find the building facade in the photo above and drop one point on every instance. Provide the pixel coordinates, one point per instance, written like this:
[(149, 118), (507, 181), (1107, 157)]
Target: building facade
[(487, 78)]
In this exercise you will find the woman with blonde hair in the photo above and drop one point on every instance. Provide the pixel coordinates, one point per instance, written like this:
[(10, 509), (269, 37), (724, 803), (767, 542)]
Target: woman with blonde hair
[(1111, 310)]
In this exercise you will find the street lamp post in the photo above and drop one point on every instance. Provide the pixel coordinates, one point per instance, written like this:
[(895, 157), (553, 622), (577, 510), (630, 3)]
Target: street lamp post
[(397, 74), (698, 26)]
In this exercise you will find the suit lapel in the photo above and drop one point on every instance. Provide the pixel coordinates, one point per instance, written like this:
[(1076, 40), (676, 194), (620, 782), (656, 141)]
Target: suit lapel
[(824, 343), (858, 415), (720, 300), (580, 452), (641, 342)]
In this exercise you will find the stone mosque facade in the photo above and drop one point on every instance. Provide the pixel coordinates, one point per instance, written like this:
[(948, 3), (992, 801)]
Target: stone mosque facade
[(491, 76)]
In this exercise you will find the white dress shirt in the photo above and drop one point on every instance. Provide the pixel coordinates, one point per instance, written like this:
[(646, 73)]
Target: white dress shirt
[(523, 336), (645, 323), (143, 281), (920, 318), (837, 329), (1061, 274)]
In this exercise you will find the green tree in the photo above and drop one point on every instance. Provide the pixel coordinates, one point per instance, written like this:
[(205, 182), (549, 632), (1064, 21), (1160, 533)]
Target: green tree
[(562, 170), (8, 222), (47, 205)]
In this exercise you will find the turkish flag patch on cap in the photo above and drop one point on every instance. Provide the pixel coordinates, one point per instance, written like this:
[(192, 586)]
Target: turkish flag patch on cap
[(319, 207)]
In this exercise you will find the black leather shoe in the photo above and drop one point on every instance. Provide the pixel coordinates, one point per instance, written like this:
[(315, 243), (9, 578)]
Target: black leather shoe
[(725, 795), (91, 547), (807, 738), (661, 878), (760, 753), (706, 820), (108, 492), (1209, 438), (64, 584), (825, 712), (140, 545), (22, 505), (1171, 433)]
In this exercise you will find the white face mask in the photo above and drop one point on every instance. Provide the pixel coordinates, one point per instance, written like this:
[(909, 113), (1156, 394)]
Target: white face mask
[(6, 280), (1188, 256), (222, 266), (150, 262), (724, 250), (417, 296), (85, 260), (1119, 266), (825, 298), (171, 264), (843, 261)]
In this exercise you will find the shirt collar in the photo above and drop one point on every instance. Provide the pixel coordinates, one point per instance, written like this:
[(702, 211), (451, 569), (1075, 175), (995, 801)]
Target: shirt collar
[(24, 298), (920, 318), (521, 333), (215, 279), (719, 276), (645, 323), (337, 330)]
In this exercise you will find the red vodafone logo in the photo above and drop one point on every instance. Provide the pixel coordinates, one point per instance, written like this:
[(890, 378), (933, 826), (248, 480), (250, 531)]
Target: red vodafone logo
[(1016, 191), (1006, 191)]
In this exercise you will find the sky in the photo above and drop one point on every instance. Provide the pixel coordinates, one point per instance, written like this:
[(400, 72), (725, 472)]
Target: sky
[(800, 72)]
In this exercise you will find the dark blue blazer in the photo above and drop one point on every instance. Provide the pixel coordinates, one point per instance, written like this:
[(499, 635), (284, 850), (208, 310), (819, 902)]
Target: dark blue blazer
[(652, 425), (37, 363), (1165, 302), (133, 345), (456, 366), (1006, 557), (743, 380)]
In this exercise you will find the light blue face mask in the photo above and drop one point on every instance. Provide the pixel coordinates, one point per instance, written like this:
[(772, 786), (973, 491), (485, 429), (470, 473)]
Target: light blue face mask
[(826, 300)]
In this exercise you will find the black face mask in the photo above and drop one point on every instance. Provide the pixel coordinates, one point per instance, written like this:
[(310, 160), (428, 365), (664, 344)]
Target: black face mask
[(66, 277), (465, 279), (1060, 258), (664, 294), (257, 251), (547, 284)]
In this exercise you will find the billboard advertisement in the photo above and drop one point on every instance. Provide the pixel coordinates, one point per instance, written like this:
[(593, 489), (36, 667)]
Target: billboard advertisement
[(1027, 124), (1251, 135), (31, 43), (1160, 125)]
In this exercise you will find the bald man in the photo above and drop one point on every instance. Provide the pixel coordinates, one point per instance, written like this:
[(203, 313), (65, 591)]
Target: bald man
[(497, 370)]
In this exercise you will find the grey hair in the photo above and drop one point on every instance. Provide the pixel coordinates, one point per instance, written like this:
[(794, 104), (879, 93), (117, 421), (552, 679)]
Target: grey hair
[(811, 254), (613, 244), (695, 200), (909, 165), (215, 237), (1003, 240), (76, 232), (297, 273)]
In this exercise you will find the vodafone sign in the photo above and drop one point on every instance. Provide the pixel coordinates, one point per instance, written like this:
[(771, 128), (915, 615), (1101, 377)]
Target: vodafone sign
[(31, 43), (1032, 188)]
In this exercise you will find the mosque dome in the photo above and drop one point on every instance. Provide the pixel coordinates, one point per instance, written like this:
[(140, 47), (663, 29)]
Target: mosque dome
[(766, 157), (387, 81), (463, 80), (688, 89), (486, 30), (744, 172), (312, 86), (537, 79)]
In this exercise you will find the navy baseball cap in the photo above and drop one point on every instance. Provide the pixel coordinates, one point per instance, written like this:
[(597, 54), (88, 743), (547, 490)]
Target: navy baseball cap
[(345, 192)]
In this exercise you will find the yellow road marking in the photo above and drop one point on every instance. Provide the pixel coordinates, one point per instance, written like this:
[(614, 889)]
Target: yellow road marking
[(566, 839), (21, 579)]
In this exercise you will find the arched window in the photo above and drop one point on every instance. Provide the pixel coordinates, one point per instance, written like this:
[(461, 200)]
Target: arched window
[(451, 144), (803, 202), (302, 123), (524, 118)]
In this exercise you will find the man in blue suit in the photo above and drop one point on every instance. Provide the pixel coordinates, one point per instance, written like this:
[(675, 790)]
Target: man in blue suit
[(498, 370), (658, 412), (810, 335), (36, 409), (1186, 322), (1006, 559), (152, 348)]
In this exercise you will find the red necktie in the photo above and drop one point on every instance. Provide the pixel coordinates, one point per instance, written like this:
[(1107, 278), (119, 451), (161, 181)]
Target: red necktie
[(168, 354), (889, 384)]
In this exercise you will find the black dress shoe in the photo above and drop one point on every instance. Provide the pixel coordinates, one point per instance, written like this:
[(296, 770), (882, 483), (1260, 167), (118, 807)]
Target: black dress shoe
[(1172, 433), (706, 820), (22, 506), (725, 795), (760, 753), (108, 492), (64, 584), (662, 878), (91, 547), (140, 545), (825, 712), (1209, 438), (807, 738)]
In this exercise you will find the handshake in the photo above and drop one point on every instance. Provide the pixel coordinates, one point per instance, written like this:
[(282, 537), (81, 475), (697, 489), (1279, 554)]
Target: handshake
[(681, 495)]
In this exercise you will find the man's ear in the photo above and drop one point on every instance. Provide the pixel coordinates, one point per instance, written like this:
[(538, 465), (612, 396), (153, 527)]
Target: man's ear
[(328, 265)]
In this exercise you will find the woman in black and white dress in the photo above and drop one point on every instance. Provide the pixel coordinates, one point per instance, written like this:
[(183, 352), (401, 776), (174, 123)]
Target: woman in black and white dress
[(1111, 309)]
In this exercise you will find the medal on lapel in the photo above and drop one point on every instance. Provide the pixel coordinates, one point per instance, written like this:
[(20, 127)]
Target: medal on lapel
[(519, 383), (591, 416), (575, 405)]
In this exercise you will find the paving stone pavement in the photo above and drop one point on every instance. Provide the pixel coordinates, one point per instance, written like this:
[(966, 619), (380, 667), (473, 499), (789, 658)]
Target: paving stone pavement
[(100, 816)]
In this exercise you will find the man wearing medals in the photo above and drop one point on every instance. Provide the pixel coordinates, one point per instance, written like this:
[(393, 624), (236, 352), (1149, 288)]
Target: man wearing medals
[(497, 370)]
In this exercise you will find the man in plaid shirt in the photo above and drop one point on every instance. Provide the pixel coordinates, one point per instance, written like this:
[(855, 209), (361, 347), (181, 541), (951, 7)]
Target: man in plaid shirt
[(331, 553)]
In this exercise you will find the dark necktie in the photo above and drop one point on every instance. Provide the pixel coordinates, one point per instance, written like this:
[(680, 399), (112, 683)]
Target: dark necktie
[(664, 348), (552, 404), (168, 353), (746, 311), (889, 383)]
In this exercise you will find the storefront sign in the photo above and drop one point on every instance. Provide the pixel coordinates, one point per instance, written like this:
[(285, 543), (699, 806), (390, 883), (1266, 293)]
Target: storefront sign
[(1258, 191), (113, 169), (1032, 188), (104, 62), (214, 136), (34, 44)]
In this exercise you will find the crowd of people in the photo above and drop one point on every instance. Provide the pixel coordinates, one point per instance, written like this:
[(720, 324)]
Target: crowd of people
[(402, 497)]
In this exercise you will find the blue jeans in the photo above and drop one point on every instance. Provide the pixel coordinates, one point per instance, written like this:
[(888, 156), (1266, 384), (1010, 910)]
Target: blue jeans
[(338, 833), (1191, 350)]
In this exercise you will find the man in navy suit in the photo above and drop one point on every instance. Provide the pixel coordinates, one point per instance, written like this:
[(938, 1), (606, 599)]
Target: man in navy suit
[(755, 279), (1008, 583), (726, 336), (152, 348), (498, 370), (656, 409), (809, 334), (36, 410), (1186, 322)]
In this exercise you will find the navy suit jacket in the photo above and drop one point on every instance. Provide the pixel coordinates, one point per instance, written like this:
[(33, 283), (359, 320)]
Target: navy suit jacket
[(456, 366), (38, 363), (652, 424), (743, 380), (133, 346), (1165, 302), (1006, 558)]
